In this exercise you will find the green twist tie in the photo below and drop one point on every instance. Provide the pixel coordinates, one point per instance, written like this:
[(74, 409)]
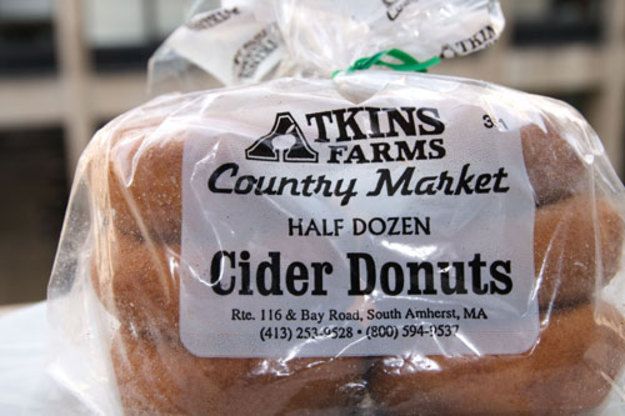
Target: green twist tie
[(406, 62)]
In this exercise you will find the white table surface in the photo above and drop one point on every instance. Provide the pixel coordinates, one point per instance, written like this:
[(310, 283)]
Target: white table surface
[(25, 387)]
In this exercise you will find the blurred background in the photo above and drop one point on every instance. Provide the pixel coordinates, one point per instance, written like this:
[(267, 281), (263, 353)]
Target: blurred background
[(69, 66)]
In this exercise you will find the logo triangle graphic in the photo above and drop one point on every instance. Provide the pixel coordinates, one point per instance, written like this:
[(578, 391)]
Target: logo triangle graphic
[(284, 125)]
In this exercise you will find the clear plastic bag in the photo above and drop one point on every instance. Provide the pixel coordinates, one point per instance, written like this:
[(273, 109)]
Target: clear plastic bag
[(378, 243), (249, 41)]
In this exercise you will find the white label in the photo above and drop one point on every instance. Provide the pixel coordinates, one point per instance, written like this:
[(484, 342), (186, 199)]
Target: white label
[(403, 226)]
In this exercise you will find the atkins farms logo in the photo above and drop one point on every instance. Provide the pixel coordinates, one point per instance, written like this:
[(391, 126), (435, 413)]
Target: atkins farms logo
[(354, 135)]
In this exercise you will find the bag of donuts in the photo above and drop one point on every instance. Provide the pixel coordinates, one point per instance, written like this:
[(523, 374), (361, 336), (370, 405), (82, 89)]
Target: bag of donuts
[(337, 232)]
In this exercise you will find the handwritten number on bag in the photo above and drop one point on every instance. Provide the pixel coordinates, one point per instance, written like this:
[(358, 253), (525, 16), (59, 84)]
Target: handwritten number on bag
[(489, 123)]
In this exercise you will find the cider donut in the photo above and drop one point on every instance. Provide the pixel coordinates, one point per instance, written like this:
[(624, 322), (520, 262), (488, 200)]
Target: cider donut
[(554, 169), (149, 205), (565, 373), (577, 249), (114, 156), (139, 281), (139, 175), (158, 376)]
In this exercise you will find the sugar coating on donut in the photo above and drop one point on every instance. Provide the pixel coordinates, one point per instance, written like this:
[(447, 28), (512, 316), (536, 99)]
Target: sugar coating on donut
[(135, 168), (554, 169), (159, 376), (138, 282), (566, 372), (577, 249)]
